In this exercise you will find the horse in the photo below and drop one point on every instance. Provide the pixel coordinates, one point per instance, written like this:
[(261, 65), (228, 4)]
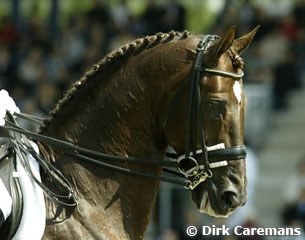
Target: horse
[(107, 137)]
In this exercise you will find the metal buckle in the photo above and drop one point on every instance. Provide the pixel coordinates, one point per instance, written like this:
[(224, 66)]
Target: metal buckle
[(200, 46), (192, 184), (193, 171)]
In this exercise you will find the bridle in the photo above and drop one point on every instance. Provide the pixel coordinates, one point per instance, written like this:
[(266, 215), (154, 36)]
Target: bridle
[(194, 167), (196, 164)]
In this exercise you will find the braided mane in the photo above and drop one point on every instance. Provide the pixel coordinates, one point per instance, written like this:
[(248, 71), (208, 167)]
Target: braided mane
[(237, 61), (133, 48)]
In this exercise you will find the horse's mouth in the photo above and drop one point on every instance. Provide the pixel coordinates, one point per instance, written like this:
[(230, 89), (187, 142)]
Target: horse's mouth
[(205, 206), (213, 203)]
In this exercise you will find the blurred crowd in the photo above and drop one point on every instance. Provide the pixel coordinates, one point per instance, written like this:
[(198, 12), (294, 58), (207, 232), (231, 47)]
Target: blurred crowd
[(277, 55), (37, 64), (293, 212)]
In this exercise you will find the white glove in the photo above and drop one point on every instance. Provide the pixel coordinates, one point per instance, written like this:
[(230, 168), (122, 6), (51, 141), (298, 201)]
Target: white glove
[(6, 104)]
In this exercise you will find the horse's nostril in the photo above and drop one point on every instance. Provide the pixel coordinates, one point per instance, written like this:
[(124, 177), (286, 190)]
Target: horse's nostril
[(229, 199)]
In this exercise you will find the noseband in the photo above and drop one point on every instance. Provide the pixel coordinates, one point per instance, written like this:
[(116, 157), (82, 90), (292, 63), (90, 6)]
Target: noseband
[(193, 167)]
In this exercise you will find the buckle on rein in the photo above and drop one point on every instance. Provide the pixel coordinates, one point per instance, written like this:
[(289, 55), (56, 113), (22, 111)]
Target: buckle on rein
[(195, 175), (199, 178)]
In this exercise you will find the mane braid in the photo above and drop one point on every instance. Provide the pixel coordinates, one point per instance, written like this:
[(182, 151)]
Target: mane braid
[(237, 61), (133, 48)]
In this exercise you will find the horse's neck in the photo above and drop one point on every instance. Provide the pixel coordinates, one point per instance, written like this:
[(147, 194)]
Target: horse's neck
[(118, 122), (120, 113)]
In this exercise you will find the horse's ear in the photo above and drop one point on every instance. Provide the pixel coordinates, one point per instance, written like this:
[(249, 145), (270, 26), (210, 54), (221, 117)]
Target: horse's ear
[(224, 43), (243, 42)]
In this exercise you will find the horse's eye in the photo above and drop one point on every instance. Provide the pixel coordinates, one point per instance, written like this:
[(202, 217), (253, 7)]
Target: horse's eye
[(216, 108)]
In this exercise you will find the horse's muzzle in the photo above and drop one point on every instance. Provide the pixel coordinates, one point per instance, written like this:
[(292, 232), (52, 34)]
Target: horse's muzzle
[(229, 199), (220, 202)]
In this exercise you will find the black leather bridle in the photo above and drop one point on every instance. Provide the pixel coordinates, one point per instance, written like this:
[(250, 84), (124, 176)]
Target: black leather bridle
[(196, 164), (193, 167)]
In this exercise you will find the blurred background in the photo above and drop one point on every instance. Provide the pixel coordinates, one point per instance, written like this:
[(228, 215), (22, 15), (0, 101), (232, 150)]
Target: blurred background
[(47, 44)]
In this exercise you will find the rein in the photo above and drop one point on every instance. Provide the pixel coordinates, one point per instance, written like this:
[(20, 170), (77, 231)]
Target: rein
[(191, 172)]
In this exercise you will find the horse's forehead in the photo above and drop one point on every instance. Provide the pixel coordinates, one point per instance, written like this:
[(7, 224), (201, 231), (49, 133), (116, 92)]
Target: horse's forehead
[(224, 88), (220, 84), (217, 84)]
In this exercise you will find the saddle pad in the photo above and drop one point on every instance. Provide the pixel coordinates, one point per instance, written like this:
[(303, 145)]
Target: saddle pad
[(32, 224), (5, 199), (5, 203)]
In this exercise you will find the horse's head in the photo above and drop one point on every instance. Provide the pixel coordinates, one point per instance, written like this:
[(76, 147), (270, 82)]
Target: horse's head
[(211, 117)]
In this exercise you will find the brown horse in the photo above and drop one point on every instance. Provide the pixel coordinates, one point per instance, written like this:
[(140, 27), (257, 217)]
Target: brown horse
[(135, 102)]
